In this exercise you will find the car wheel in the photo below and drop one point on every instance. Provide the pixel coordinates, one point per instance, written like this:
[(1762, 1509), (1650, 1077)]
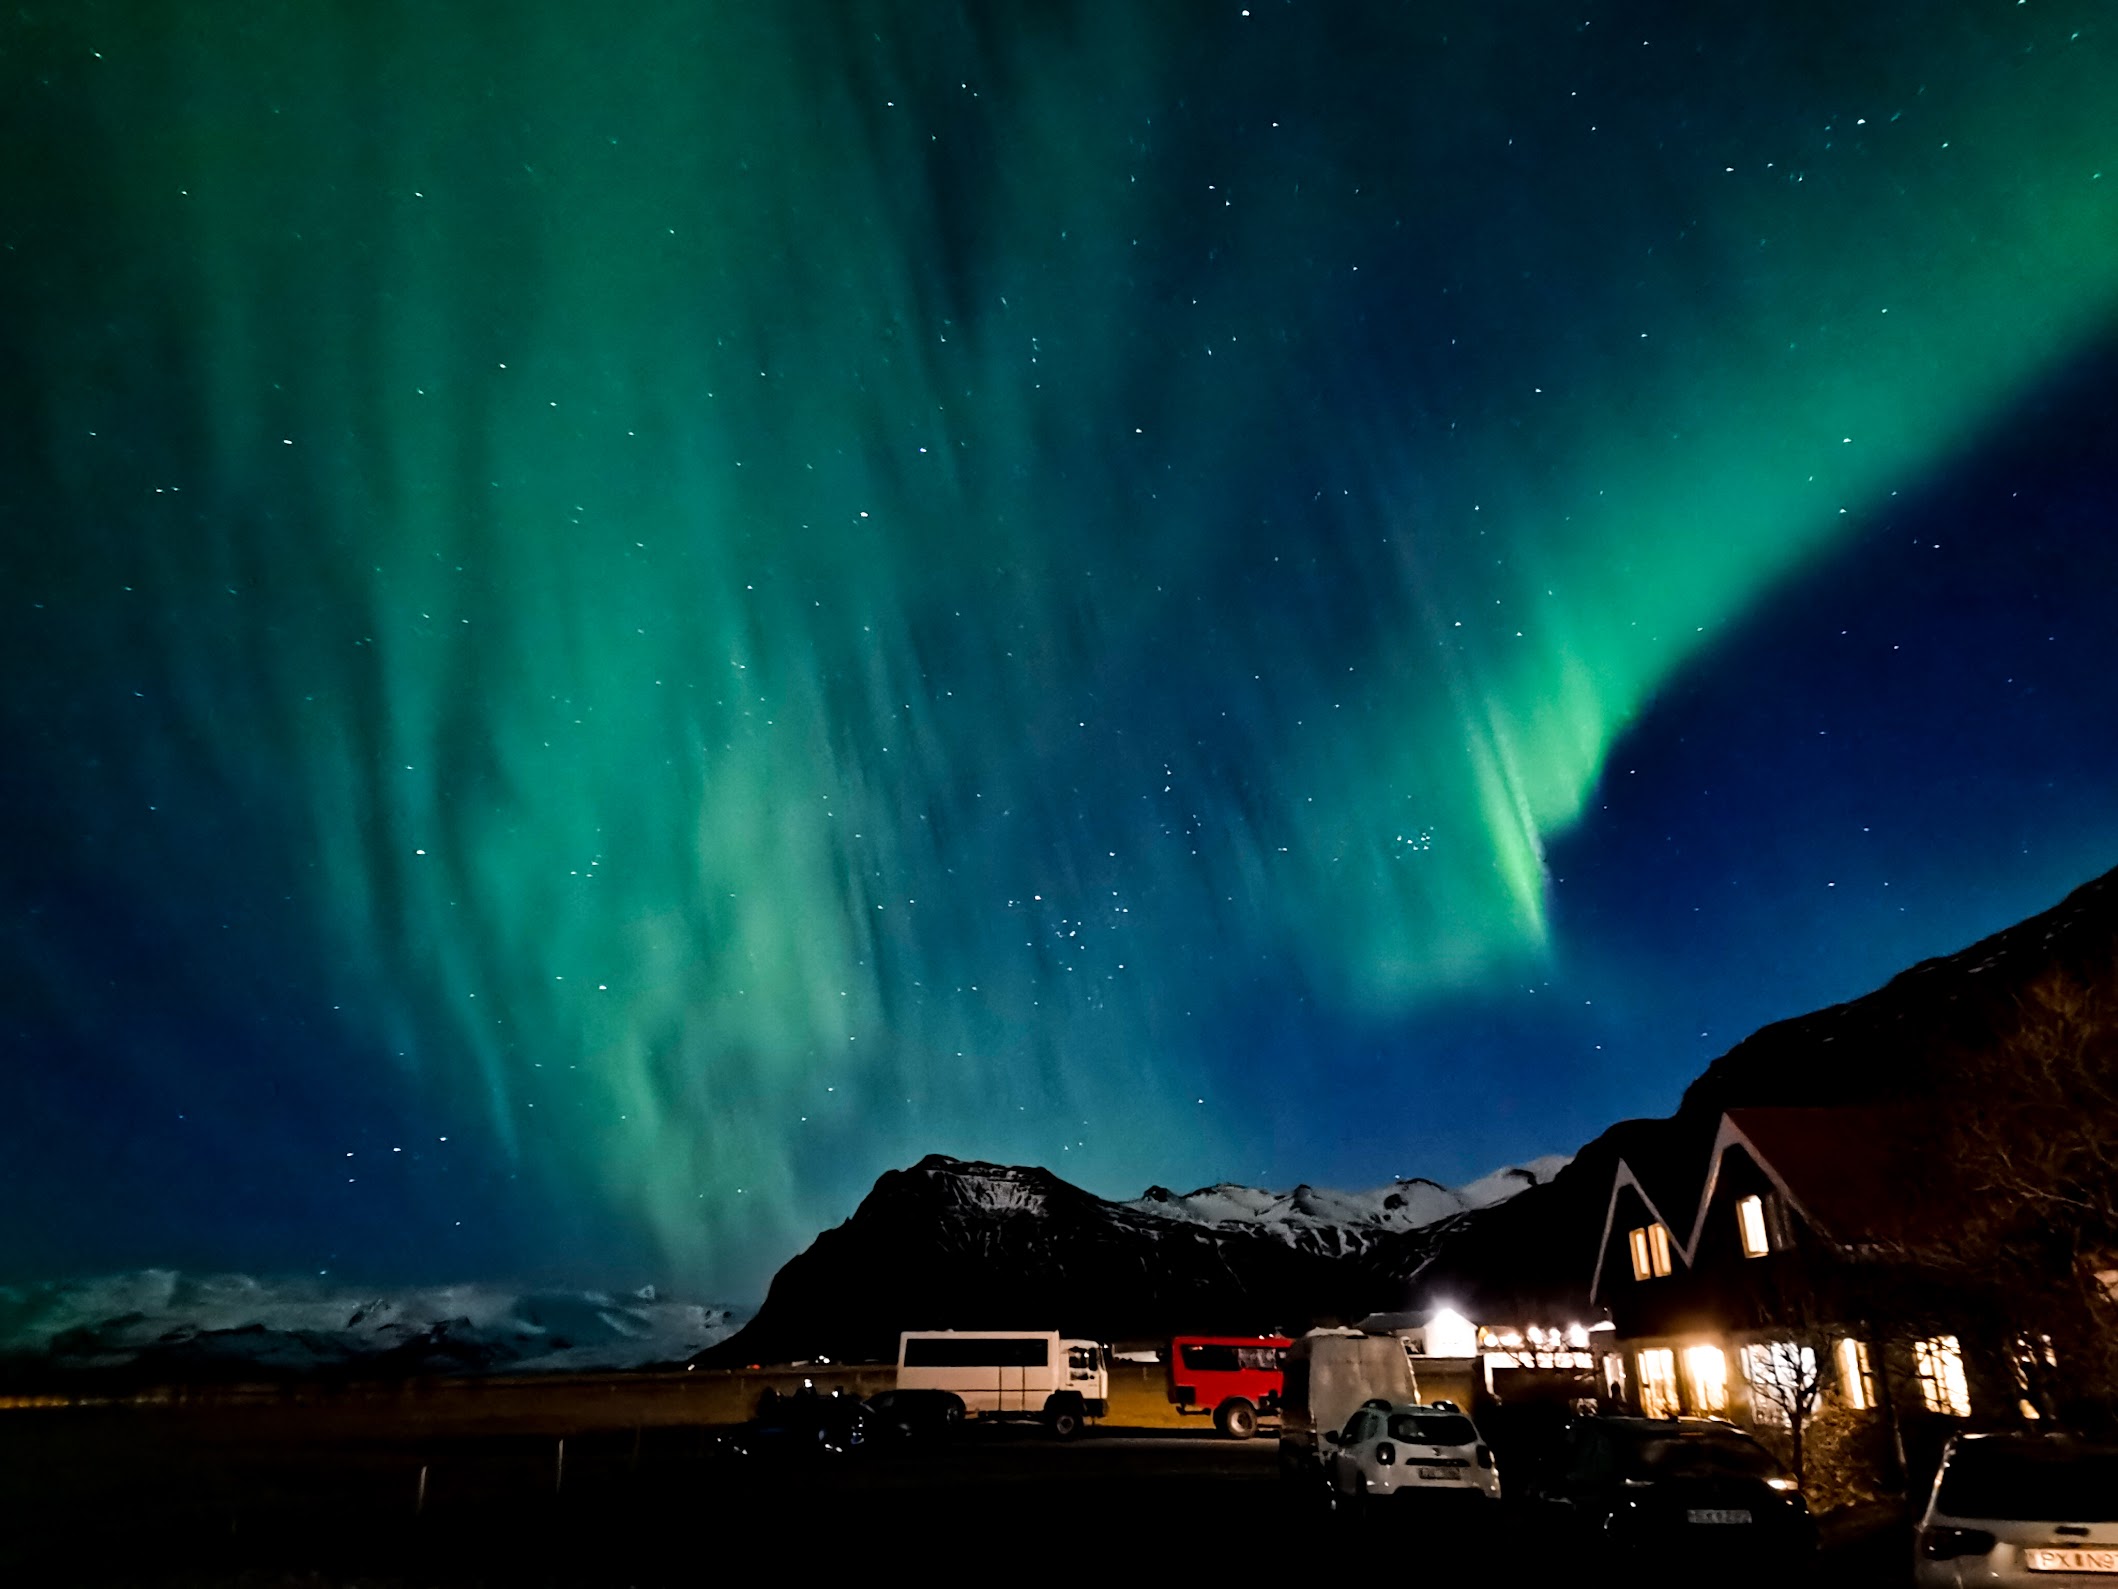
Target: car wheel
[(1065, 1422), (1359, 1500), (1236, 1419), (1334, 1498)]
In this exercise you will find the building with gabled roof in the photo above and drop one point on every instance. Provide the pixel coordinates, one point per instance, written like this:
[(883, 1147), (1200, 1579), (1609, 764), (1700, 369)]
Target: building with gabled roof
[(1780, 1272)]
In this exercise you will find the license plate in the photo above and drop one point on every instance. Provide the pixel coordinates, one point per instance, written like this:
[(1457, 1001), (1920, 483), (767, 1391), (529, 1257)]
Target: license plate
[(1438, 1473), (1717, 1514), (2070, 1559)]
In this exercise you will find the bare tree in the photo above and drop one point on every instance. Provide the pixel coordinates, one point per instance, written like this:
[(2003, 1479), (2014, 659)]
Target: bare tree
[(1787, 1378), (2031, 1151)]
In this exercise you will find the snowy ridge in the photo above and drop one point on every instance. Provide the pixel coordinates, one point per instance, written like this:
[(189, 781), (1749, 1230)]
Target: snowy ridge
[(1308, 1210), (987, 1188), (223, 1325)]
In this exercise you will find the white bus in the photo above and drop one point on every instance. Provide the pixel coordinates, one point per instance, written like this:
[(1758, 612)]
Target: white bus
[(1010, 1373)]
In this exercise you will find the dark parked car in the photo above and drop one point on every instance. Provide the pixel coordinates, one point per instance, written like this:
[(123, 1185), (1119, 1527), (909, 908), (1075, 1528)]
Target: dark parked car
[(1668, 1491), (806, 1426), (914, 1417)]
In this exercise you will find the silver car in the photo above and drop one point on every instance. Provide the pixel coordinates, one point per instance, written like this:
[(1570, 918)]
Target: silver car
[(2021, 1509)]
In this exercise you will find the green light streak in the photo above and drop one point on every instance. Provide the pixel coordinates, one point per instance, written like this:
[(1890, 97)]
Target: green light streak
[(697, 485)]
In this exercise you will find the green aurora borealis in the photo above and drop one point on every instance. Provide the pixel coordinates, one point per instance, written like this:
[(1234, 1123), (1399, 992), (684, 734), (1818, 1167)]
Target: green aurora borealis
[(737, 593)]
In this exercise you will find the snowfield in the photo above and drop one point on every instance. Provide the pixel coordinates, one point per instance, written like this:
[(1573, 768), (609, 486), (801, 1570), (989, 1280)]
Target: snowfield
[(303, 1325), (1309, 1210)]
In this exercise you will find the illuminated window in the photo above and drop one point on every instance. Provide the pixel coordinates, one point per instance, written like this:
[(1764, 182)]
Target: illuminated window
[(1750, 1220), (1658, 1382), (1650, 1248), (1856, 1376), (1706, 1370), (1940, 1361), (1783, 1381)]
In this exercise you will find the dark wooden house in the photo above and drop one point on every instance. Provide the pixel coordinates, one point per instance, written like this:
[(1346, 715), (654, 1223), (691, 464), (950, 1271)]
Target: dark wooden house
[(1779, 1273)]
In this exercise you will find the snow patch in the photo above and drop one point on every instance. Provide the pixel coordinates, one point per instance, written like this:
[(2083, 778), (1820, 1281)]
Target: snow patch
[(1401, 1205), (232, 1320)]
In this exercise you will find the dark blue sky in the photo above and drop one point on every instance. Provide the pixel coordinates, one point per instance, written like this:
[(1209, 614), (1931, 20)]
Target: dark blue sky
[(614, 631)]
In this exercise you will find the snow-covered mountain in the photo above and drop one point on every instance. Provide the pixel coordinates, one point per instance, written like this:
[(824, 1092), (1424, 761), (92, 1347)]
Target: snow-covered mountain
[(1343, 1221), (158, 1322), (956, 1244)]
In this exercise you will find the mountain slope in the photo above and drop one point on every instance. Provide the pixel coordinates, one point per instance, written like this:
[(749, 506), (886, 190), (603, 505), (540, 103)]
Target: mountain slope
[(1884, 1045), (161, 1326), (1345, 1222), (954, 1245), (969, 1245), (1535, 1252)]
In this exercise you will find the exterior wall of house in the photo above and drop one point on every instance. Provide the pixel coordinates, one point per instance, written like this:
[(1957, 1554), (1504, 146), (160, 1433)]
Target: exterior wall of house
[(1694, 1324), (1691, 1341)]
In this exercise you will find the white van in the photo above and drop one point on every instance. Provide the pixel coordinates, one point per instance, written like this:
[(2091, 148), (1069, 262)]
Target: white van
[(1010, 1373), (1328, 1374)]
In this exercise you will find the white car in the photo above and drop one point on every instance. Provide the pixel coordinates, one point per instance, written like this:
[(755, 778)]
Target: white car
[(2020, 1509), (1409, 1448)]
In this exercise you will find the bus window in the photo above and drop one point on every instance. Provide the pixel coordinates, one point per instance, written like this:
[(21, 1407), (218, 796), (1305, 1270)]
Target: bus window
[(973, 1351)]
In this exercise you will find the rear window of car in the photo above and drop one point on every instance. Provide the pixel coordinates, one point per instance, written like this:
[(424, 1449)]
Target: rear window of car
[(1684, 1456), (1432, 1429), (2027, 1483)]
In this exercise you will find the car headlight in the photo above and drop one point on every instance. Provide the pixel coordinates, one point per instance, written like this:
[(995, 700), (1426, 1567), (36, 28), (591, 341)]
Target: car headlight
[(1781, 1484)]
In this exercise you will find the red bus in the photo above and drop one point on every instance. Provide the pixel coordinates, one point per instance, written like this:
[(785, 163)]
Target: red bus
[(1236, 1378)]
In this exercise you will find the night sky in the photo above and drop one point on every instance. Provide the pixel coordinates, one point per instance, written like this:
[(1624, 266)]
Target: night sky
[(618, 618)]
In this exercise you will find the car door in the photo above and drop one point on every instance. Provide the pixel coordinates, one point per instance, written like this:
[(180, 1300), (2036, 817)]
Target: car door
[(1588, 1474), (1349, 1461)]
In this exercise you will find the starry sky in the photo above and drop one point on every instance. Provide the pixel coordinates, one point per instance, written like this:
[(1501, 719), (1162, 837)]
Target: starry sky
[(618, 619)]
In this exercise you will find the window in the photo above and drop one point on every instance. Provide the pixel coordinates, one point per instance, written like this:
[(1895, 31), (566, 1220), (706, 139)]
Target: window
[(1940, 1361), (1856, 1375), (976, 1351), (1658, 1382), (1698, 1454), (1650, 1249), (1433, 1429), (1614, 1375), (2029, 1481), (1706, 1373), (1750, 1222), (1783, 1381), (1213, 1358)]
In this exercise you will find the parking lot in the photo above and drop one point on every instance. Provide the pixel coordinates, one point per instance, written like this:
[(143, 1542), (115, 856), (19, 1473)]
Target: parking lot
[(109, 1498)]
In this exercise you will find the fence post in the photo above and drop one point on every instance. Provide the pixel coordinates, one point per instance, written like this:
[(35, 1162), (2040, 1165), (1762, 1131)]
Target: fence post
[(559, 1477), (419, 1506)]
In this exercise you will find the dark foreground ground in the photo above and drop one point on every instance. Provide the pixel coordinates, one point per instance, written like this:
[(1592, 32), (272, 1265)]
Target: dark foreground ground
[(120, 1498)]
